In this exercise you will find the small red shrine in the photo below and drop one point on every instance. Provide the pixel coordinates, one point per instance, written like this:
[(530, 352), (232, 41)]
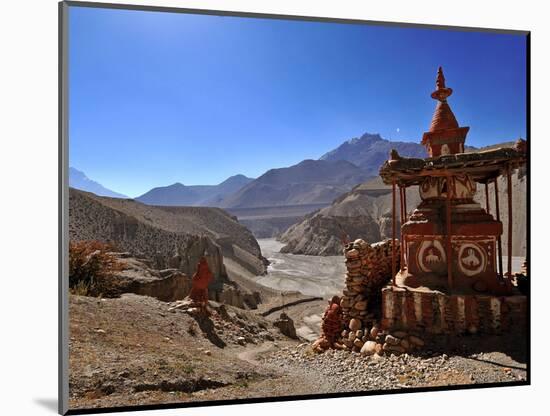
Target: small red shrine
[(451, 248)]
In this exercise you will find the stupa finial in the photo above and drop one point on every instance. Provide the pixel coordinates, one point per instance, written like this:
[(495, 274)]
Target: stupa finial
[(442, 92), (440, 81)]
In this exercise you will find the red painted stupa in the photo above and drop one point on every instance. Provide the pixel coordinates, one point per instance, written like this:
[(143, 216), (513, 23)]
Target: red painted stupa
[(451, 245)]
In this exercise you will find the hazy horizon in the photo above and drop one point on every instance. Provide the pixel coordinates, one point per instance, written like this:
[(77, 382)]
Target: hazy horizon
[(148, 88)]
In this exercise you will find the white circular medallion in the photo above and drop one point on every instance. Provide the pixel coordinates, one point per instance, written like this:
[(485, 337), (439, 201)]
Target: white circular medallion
[(472, 259)]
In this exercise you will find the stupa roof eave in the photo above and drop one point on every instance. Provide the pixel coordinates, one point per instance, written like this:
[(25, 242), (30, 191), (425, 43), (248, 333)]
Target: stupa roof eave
[(481, 166)]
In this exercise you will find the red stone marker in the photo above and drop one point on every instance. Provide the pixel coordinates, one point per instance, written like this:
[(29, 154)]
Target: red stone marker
[(331, 326), (200, 281)]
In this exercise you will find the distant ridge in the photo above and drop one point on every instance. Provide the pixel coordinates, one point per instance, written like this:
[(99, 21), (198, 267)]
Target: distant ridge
[(308, 182), (79, 180), (370, 150), (178, 194)]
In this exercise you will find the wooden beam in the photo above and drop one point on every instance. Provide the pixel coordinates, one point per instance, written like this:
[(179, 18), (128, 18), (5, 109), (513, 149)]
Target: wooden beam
[(487, 206), (499, 240), (403, 247), (401, 203), (510, 222), (393, 271), (414, 176), (449, 236)]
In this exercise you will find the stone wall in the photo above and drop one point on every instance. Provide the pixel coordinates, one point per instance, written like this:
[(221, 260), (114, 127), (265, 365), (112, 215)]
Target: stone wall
[(369, 269), (434, 312)]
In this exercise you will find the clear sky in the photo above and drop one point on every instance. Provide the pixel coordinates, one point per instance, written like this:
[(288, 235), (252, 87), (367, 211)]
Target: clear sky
[(157, 98)]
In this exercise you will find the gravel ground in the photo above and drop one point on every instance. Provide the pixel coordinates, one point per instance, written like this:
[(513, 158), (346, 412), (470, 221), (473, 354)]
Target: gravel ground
[(347, 371)]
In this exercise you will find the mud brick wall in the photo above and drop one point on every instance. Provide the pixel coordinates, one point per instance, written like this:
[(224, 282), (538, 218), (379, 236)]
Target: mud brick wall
[(369, 269), (436, 313)]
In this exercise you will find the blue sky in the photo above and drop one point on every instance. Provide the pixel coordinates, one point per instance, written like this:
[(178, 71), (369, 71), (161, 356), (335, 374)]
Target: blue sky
[(157, 98)]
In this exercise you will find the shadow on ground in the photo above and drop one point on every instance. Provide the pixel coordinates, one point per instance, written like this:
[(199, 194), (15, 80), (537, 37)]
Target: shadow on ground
[(207, 327), (514, 346)]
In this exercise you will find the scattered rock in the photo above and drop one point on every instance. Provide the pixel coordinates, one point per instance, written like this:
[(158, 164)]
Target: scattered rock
[(369, 348), (355, 324), (392, 348), (391, 340), (374, 332)]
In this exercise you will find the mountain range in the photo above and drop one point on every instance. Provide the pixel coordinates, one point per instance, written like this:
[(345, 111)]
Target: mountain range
[(280, 197), (308, 182)]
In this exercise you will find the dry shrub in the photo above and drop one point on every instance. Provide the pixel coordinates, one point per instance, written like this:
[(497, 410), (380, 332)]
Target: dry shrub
[(91, 268)]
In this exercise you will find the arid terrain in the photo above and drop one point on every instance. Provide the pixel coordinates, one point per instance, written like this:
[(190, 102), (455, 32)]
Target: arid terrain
[(137, 349), (165, 355)]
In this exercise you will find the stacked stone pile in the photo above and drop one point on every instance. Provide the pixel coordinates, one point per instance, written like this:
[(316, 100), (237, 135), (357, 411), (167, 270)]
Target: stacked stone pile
[(372, 340), (369, 268)]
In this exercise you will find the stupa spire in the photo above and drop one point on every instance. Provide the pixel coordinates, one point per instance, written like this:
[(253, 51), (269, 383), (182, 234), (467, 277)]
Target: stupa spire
[(445, 136), (441, 93)]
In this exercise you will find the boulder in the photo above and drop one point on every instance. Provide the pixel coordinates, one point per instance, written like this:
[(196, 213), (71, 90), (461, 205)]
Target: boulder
[(391, 340), (369, 348), (393, 348), (374, 332), (355, 324)]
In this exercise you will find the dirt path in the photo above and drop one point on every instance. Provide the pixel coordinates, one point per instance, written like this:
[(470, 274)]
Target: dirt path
[(251, 354)]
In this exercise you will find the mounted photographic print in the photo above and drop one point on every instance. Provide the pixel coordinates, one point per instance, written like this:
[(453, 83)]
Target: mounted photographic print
[(261, 208)]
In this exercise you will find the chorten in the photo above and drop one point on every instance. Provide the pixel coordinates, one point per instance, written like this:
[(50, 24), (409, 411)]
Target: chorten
[(451, 248)]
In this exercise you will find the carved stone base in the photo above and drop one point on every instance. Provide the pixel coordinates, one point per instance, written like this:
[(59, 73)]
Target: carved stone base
[(434, 312)]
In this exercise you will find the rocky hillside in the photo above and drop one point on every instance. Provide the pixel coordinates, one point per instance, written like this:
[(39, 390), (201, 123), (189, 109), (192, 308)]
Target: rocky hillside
[(139, 350), (370, 150), (170, 236), (308, 182), (198, 195), (360, 213), (519, 210)]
